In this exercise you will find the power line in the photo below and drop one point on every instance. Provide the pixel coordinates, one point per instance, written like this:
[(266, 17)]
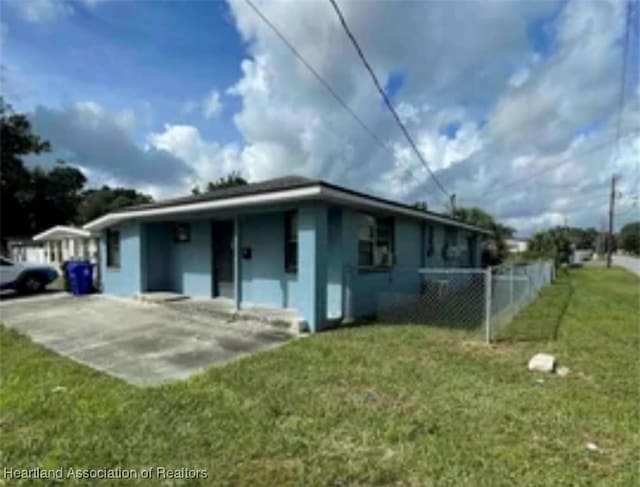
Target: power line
[(318, 77), (595, 193), (619, 134), (384, 95), (549, 168), (634, 204), (628, 210), (623, 83), (591, 195), (623, 73)]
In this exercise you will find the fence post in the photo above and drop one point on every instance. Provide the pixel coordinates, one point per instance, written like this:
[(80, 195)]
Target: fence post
[(511, 287), (487, 304)]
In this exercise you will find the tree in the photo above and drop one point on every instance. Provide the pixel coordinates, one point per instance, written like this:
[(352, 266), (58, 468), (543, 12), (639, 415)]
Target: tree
[(53, 196), (421, 205), (16, 141), (228, 181), (629, 238), (555, 242), (495, 248), (98, 202), (34, 199), (580, 238)]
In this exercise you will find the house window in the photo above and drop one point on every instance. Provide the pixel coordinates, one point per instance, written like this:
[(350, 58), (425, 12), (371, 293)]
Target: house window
[(113, 249), (430, 241), (182, 232), (375, 242), (449, 249), (291, 241), (452, 236)]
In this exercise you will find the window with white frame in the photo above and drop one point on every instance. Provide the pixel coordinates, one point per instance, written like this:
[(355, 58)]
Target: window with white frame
[(291, 242), (450, 247), (375, 242), (113, 249), (430, 244)]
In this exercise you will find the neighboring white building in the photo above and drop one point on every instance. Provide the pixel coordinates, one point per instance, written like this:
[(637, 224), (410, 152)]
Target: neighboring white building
[(61, 243), (25, 250), (580, 255), (516, 245)]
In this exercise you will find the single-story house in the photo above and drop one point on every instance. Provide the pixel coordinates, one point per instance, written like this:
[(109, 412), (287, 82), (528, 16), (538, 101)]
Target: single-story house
[(516, 245), (25, 250), (63, 243), (289, 242)]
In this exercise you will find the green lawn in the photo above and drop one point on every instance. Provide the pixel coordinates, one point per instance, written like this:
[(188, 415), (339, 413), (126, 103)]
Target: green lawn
[(386, 405)]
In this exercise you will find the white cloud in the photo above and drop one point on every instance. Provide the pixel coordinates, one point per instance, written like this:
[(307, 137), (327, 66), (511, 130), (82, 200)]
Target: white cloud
[(126, 120), (519, 77), (93, 3), (281, 100), (188, 107), (516, 112), (483, 109), (211, 105), (90, 108), (208, 160), (86, 135), (40, 11), (408, 113)]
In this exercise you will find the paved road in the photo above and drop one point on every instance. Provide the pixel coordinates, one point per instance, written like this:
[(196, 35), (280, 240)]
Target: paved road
[(632, 264), (144, 344)]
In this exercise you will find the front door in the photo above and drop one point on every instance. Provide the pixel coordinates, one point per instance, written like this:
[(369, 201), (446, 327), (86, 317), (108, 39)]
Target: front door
[(222, 238)]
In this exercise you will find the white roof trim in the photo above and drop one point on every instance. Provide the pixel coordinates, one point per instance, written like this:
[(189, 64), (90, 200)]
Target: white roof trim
[(346, 197), (60, 232), (237, 201), (317, 192)]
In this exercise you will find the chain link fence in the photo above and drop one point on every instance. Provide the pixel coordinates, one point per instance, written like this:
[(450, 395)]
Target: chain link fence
[(474, 299)]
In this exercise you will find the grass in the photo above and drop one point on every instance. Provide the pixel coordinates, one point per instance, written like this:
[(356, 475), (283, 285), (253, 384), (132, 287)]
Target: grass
[(371, 405)]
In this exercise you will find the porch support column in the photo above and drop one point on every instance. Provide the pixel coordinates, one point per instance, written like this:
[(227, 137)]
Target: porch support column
[(349, 249), (237, 263), (312, 264)]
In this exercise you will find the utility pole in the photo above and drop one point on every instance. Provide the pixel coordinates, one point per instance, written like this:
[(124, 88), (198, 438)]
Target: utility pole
[(453, 204), (612, 203)]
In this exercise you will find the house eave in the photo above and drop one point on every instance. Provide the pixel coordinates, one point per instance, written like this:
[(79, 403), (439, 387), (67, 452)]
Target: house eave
[(60, 232), (202, 206), (320, 191)]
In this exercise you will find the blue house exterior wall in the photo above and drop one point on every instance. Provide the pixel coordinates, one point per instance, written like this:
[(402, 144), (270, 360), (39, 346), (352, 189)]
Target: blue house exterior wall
[(366, 285), (192, 265), (335, 267), (127, 279), (327, 285), (312, 264), (264, 280)]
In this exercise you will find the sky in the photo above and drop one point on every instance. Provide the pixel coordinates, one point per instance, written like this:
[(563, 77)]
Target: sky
[(513, 104)]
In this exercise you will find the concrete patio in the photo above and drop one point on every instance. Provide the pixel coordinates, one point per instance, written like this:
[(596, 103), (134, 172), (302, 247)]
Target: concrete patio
[(224, 308), (142, 343)]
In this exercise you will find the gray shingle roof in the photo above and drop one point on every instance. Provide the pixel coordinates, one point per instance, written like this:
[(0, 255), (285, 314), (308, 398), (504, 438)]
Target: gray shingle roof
[(267, 186), (280, 184)]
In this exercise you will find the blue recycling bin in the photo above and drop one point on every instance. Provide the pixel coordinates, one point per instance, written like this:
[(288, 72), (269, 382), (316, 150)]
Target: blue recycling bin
[(80, 275)]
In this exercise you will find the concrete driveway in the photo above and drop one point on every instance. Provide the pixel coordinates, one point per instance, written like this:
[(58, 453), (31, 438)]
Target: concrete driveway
[(144, 344)]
